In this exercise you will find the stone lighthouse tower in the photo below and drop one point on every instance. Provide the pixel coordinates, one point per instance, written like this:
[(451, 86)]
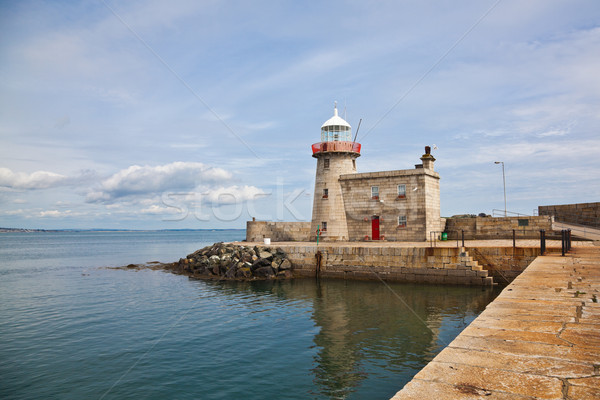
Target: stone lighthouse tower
[(336, 155)]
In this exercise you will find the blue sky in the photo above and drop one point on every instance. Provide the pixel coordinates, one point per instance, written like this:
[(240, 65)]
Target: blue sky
[(200, 114)]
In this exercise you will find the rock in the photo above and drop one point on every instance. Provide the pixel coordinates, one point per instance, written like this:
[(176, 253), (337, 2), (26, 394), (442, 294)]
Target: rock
[(231, 272), (284, 274), (243, 272), (266, 255), (259, 264), (264, 272), (285, 265)]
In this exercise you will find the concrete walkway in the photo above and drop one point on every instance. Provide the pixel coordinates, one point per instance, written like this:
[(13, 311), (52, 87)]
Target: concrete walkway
[(540, 339)]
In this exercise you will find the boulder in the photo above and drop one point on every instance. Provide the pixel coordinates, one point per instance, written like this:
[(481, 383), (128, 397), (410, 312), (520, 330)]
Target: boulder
[(264, 272), (285, 265), (266, 255), (284, 274), (261, 262)]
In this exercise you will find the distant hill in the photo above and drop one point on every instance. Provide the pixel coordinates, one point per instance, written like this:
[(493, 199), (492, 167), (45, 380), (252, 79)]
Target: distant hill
[(5, 230)]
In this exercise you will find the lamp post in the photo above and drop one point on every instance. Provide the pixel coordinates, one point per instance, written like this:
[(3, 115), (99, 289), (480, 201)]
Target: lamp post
[(504, 182)]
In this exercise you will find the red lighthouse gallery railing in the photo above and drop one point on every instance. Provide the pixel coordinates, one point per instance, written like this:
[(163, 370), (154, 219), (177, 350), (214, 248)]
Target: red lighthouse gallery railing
[(350, 147)]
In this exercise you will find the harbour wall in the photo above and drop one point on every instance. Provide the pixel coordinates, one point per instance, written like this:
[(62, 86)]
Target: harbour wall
[(487, 228), (504, 264), (448, 265), (581, 213), (278, 231)]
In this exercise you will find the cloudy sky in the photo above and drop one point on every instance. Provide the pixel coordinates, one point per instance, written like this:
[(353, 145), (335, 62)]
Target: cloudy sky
[(200, 114)]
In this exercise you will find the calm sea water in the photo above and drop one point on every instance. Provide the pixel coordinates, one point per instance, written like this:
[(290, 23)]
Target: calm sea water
[(71, 329)]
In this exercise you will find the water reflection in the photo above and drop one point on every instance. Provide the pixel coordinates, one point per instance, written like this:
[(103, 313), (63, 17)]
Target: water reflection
[(373, 338), (371, 329)]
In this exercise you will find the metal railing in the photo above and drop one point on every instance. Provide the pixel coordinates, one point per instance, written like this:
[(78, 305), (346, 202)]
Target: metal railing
[(500, 213), (338, 146)]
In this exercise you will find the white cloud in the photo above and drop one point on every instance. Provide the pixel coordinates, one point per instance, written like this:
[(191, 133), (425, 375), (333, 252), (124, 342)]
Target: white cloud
[(233, 194), (35, 180), (146, 180), (159, 210), (41, 179), (54, 213)]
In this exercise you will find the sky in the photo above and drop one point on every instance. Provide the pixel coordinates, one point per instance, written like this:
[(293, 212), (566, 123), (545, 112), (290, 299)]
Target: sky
[(200, 114)]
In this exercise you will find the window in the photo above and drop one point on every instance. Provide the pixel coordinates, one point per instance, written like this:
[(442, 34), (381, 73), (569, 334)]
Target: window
[(325, 193), (326, 163), (375, 192), (354, 164), (402, 221), (401, 191), (324, 226)]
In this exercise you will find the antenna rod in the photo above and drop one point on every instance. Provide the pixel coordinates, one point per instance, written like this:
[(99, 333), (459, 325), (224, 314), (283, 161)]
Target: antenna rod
[(354, 141)]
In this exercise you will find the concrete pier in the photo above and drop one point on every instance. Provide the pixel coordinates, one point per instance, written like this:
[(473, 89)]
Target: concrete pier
[(540, 339)]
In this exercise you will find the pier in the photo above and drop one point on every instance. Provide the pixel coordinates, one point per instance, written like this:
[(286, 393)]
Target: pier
[(468, 262), (539, 339)]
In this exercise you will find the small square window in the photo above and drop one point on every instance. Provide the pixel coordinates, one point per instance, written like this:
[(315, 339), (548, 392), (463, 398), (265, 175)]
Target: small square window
[(401, 191), (326, 163), (375, 192), (402, 221), (325, 193), (324, 226)]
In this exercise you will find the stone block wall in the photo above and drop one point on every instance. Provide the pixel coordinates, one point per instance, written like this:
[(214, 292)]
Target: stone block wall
[(498, 228), (423, 265), (504, 263), (581, 213), (420, 204), (256, 231)]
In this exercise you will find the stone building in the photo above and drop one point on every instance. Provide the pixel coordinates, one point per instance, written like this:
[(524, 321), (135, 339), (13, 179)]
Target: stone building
[(400, 205)]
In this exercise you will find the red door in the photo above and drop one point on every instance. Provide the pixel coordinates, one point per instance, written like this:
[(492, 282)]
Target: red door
[(375, 227)]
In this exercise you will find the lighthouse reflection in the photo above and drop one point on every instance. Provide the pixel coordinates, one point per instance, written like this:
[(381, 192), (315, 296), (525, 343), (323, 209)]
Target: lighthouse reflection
[(370, 330)]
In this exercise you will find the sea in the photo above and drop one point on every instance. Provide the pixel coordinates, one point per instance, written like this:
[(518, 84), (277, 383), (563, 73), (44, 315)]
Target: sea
[(73, 327)]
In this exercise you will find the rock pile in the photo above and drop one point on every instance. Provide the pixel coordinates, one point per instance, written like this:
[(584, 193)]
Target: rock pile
[(228, 261)]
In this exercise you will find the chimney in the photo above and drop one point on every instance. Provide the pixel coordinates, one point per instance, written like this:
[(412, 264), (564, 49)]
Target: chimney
[(428, 159)]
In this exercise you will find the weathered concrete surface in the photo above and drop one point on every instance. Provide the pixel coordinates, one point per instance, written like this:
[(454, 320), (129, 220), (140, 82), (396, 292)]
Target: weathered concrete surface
[(540, 339)]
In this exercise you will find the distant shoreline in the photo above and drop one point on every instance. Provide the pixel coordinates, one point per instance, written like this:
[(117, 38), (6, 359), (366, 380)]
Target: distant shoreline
[(25, 230)]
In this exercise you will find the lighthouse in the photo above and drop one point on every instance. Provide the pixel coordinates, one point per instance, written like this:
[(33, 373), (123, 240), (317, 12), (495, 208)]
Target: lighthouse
[(336, 155)]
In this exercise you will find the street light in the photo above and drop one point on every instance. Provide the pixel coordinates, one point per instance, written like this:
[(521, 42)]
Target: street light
[(504, 181)]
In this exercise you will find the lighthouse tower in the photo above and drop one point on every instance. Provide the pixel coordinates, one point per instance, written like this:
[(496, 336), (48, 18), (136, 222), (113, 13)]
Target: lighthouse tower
[(336, 155)]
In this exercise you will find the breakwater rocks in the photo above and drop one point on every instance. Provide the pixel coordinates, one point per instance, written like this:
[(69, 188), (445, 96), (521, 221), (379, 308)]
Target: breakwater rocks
[(228, 261)]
